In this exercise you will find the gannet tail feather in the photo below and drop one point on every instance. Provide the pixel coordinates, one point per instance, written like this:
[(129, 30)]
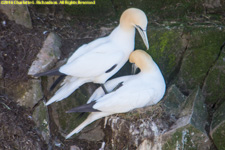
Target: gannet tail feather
[(92, 117), (84, 108), (60, 78), (69, 86), (54, 72)]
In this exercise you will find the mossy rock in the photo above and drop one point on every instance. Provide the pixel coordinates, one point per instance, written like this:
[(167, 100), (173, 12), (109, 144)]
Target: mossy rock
[(67, 122), (26, 93), (40, 117), (217, 130), (202, 52), (187, 137), (189, 130), (218, 136), (214, 85), (165, 46), (218, 116)]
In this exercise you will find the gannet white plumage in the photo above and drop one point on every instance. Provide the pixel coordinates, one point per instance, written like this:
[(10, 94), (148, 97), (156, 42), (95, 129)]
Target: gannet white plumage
[(102, 58), (136, 91)]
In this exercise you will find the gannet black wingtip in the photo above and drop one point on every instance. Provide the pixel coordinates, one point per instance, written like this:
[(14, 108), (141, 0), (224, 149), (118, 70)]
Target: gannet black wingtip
[(84, 108), (54, 72)]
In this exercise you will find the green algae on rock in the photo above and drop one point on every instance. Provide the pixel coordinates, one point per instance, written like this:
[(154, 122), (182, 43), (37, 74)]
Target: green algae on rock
[(40, 117), (166, 47), (217, 130), (203, 49), (214, 85)]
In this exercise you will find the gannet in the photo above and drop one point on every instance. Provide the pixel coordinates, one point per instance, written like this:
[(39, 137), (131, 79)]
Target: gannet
[(100, 59), (135, 91)]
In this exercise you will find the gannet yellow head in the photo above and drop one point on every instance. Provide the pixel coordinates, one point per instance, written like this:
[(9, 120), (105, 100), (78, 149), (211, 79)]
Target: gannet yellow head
[(134, 17), (142, 60)]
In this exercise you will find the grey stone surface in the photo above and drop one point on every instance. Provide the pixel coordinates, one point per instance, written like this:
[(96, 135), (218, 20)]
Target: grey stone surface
[(188, 132), (196, 108), (48, 55), (40, 117), (19, 13), (145, 145), (96, 134), (29, 93), (74, 147), (173, 101)]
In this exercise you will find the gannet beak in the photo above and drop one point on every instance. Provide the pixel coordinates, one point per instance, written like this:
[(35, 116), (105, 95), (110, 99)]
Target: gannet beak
[(133, 69), (143, 34)]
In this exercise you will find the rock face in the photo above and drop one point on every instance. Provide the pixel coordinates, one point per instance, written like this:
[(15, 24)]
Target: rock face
[(33, 93), (27, 93), (47, 56), (215, 80), (185, 39), (167, 47), (19, 13), (174, 100), (76, 99), (1, 71), (179, 121), (189, 130), (204, 45), (217, 131), (40, 117), (166, 132)]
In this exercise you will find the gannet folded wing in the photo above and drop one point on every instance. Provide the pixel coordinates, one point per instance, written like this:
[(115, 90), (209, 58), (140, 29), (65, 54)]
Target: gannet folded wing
[(85, 48), (124, 100), (110, 85), (93, 63)]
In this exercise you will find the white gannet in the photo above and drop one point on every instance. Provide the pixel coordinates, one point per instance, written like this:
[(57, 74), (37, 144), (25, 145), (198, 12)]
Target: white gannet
[(134, 91), (100, 59)]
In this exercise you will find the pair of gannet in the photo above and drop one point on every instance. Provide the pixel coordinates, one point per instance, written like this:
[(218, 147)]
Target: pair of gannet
[(102, 58), (134, 91)]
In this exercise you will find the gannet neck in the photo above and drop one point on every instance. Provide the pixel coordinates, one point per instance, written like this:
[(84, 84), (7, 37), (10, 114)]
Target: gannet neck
[(120, 35), (142, 60), (133, 17)]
